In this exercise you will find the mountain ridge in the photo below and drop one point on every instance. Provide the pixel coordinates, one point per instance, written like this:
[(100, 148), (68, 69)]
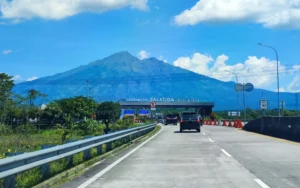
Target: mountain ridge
[(122, 75)]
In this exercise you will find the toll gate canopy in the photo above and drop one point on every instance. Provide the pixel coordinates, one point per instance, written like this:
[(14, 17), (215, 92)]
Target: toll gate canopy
[(203, 108)]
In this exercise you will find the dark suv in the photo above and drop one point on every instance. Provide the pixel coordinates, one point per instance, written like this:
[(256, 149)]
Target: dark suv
[(171, 119), (190, 120)]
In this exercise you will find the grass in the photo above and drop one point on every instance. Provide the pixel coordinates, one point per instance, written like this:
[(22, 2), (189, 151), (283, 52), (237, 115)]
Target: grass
[(18, 142)]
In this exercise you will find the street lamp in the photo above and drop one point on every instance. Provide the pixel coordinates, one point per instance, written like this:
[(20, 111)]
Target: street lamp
[(277, 75), (237, 81)]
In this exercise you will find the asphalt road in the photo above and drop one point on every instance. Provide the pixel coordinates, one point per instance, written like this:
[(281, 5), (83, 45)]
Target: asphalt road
[(216, 157)]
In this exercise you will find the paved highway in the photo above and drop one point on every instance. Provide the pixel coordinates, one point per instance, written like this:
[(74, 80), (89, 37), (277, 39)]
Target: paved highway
[(216, 157)]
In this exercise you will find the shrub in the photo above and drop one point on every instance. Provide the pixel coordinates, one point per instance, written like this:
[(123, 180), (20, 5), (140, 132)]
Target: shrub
[(5, 129), (26, 129), (29, 178)]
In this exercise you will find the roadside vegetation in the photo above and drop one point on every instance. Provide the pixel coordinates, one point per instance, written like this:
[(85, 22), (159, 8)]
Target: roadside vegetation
[(28, 125)]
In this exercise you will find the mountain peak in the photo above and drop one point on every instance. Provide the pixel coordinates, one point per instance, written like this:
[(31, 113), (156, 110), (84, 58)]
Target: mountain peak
[(120, 57), (121, 54)]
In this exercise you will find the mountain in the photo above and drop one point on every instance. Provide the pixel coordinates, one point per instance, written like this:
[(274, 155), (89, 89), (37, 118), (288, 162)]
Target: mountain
[(123, 76)]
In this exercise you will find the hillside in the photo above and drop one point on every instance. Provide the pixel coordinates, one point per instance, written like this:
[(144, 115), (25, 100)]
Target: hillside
[(122, 75)]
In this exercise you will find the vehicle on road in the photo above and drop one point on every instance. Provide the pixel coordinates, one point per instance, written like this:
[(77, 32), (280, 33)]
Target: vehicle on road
[(160, 120), (189, 121), (171, 119)]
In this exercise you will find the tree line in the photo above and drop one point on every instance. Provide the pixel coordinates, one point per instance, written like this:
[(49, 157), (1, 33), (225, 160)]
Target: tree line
[(16, 110)]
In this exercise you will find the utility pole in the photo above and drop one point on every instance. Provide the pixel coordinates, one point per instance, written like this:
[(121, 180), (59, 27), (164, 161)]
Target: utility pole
[(87, 88), (277, 74), (244, 103), (297, 107), (282, 107)]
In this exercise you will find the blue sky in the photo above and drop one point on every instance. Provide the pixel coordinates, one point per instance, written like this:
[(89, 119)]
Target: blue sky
[(41, 38)]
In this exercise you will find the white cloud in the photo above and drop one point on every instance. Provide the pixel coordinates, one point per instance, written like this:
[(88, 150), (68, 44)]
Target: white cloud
[(269, 13), (59, 9), (259, 71), (143, 54), (5, 52), (17, 78), (197, 63), (295, 85), (32, 78)]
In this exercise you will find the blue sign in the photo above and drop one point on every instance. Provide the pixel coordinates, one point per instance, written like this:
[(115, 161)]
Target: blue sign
[(129, 112), (143, 112), (249, 87)]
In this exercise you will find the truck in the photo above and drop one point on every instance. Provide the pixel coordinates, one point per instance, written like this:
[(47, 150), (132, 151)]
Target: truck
[(189, 121)]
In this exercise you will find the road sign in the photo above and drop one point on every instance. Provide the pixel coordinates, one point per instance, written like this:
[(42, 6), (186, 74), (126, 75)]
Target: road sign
[(243, 87), (263, 104), (234, 113), (153, 109), (153, 104), (143, 112), (238, 87), (249, 87)]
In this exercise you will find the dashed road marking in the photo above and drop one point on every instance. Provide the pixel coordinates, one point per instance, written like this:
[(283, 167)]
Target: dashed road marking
[(225, 152), (204, 134), (261, 183), (211, 140)]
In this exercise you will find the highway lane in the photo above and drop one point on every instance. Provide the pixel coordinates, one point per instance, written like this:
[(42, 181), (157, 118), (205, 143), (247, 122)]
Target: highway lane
[(275, 161), (216, 157)]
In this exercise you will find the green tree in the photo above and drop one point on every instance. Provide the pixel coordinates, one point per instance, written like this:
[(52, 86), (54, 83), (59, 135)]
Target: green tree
[(53, 111), (108, 112), (78, 108), (6, 85), (33, 95)]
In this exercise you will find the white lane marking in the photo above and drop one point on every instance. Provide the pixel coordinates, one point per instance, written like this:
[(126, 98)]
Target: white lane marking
[(101, 173), (211, 140), (226, 153), (261, 183), (204, 134)]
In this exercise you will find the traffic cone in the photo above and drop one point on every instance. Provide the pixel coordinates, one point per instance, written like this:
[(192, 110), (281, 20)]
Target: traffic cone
[(230, 124), (235, 124), (215, 122), (206, 122), (224, 123), (239, 124), (210, 122)]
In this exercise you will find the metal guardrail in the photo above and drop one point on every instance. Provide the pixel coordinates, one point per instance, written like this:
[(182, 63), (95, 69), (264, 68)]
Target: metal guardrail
[(11, 166)]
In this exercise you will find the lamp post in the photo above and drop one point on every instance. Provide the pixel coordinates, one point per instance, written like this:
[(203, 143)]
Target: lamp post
[(237, 81), (277, 75)]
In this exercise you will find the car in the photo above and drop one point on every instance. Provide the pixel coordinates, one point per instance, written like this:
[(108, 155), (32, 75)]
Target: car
[(189, 121), (171, 119), (160, 120)]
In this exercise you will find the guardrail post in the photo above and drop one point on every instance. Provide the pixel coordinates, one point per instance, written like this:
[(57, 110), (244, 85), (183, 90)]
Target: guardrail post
[(10, 181), (108, 146), (99, 149), (87, 154), (123, 140), (45, 170), (69, 161)]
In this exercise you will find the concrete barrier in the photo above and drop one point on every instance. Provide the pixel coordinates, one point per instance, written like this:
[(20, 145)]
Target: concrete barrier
[(282, 127)]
